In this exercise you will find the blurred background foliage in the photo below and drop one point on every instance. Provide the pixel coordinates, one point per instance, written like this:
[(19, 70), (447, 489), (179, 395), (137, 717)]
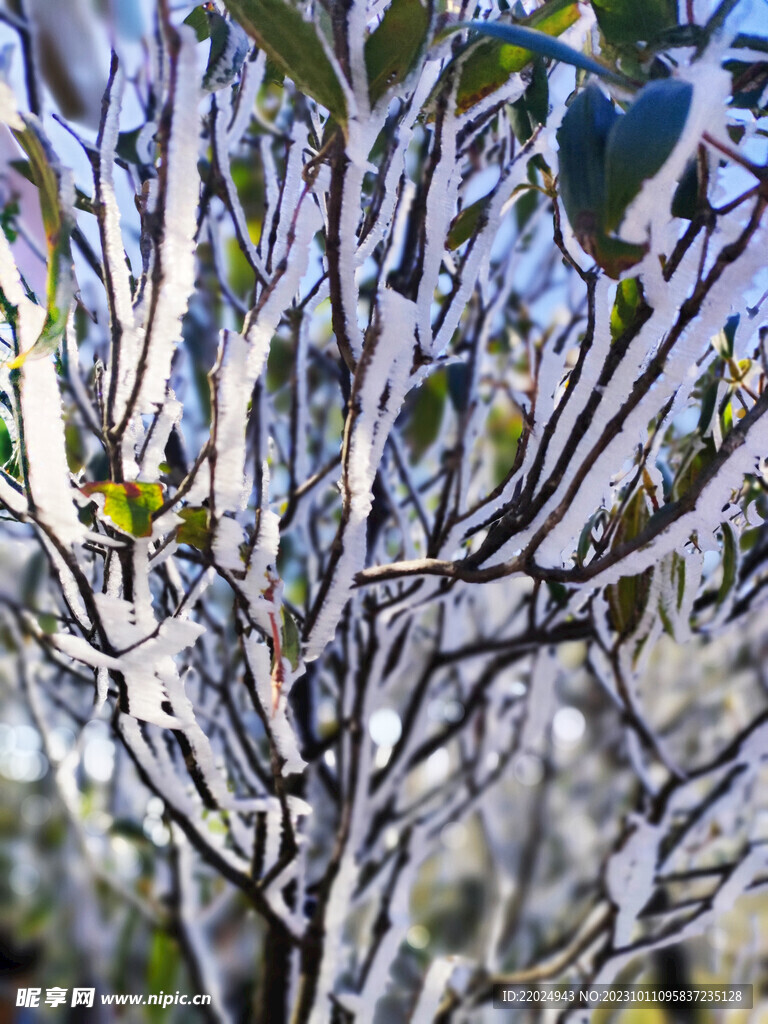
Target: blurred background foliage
[(554, 821)]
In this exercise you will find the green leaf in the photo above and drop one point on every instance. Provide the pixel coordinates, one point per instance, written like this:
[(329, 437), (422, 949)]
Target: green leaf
[(197, 19), (487, 65), (503, 430), (162, 971), (58, 221), (467, 222), (48, 623), (195, 530), (392, 49), (730, 562), (426, 408), (294, 45), (707, 407), (290, 637), (130, 505), (627, 598), (640, 142), (679, 563), (525, 207), (625, 306), (6, 443), (532, 108), (630, 21)]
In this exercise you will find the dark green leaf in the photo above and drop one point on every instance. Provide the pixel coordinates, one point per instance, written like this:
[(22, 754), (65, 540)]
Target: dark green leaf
[(723, 341), (685, 199), (391, 50), (634, 21), (466, 222), (293, 44), (730, 562), (750, 81), (641, 141), (229, 48), (533, 106), (459, 381), (525, 207), (6, 444), (707, 410)]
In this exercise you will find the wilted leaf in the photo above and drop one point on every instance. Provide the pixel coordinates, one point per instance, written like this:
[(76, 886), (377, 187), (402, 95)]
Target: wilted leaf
[(293, 44), (58, 223), (130, 505), (391, 50)]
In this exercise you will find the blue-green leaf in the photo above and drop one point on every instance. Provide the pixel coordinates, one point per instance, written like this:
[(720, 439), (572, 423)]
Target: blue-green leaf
[(229, 48), (639, 144), (538, 42), (582, 138)]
